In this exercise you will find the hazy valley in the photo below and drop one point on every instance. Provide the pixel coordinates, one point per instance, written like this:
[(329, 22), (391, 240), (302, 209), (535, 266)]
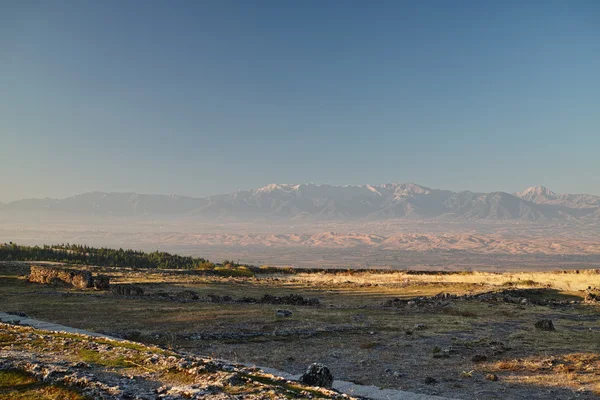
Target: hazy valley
[(393, 225)]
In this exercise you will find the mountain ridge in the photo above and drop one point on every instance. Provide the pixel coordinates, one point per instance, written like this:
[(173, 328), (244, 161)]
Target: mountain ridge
[(330, 202)]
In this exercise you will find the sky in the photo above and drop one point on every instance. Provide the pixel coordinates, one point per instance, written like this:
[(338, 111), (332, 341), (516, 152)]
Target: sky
[(205, 97)]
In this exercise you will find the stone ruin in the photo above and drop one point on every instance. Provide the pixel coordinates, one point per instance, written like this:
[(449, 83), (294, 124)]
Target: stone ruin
[(80, 279)]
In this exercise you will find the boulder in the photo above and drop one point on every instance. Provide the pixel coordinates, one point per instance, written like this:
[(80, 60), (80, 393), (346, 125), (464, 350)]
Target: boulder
[(317, 375), (283, 313), (545, 325), (491, 377), (57, 275)]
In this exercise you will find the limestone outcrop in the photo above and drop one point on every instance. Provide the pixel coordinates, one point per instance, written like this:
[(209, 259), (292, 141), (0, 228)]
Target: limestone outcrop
[(67, 276)]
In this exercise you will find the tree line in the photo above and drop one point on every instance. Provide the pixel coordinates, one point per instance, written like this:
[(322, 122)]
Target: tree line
[(78, 254)]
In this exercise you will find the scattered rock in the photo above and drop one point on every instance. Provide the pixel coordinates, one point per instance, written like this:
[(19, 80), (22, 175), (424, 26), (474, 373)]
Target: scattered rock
[(317, 375), (430, 380), (235, 380), (591, 297), (101, 282), (491, 377), (479, 358), (187, 295), (18, 314), (497, 347), (283, 313), (292, 299), (127, 290), (514, 296), (545, 325), (215, 298)]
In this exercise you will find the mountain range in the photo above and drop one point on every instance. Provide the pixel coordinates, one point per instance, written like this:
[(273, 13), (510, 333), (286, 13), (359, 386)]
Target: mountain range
[(328, 202)]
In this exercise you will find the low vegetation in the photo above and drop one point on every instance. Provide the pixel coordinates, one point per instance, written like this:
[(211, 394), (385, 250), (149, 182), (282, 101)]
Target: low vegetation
[(19, 385)]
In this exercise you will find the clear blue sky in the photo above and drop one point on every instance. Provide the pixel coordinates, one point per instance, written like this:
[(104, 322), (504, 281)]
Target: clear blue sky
[(205, 97)]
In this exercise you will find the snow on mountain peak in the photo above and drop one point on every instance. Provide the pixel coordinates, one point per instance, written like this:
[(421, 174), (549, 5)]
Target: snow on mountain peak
[(278, 186), (375, 191), (537, 193)]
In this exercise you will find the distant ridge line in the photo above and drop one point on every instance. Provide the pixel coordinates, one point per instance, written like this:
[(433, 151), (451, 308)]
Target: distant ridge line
[(329, 202)]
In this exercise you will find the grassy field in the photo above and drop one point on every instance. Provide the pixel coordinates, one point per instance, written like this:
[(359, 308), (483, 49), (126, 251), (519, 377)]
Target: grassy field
[(469, 348)]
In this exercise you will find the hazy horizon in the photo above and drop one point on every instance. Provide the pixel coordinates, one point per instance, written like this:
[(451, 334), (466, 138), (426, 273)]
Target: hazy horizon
[(205, 98)]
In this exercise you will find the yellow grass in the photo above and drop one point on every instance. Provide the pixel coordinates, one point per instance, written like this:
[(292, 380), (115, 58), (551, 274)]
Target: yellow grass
[(572, 370), (569, 281)]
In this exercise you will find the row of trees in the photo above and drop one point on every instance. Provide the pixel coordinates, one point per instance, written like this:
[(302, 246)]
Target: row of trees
[(77, 254)]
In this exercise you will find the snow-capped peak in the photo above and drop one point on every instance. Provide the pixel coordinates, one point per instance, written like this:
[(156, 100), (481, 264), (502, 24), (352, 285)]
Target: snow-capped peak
[(278, 186), (537, 193)]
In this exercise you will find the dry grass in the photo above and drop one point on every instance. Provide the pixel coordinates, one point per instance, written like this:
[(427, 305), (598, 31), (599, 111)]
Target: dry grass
[(18, 385), (573, 370), (569, 281), (375, 338)]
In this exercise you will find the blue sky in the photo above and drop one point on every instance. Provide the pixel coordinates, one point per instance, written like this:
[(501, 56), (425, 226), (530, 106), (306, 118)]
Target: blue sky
[(206, 97)]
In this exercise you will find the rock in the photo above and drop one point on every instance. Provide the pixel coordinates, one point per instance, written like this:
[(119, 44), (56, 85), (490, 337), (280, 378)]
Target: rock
[(18, 314), (524, 302), (491, 377), (317, 375), (420, 327), (430, 380), (187, 295), (292, 300), (479, 358), (101, 282), (498, 347), (235, 380), (55, 275), (127, 290), (545, 325), (283, 313), (591, 298), (411, 303)]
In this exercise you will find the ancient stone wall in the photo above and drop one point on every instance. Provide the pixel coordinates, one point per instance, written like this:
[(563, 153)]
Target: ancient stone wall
[(77, 278)]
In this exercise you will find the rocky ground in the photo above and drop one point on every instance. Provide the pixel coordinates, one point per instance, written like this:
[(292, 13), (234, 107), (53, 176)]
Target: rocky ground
[(465, 336), (85, 367)]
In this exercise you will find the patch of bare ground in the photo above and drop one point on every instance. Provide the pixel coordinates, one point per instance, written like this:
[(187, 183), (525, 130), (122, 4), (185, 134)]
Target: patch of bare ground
[(450, 334)]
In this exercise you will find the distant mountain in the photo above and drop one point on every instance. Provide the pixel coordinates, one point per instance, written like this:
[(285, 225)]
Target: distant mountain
[(328, 202), (542, 195), (116, 204)]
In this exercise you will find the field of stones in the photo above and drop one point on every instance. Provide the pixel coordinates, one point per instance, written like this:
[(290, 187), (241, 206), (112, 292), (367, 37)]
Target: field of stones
[(460, 335)]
